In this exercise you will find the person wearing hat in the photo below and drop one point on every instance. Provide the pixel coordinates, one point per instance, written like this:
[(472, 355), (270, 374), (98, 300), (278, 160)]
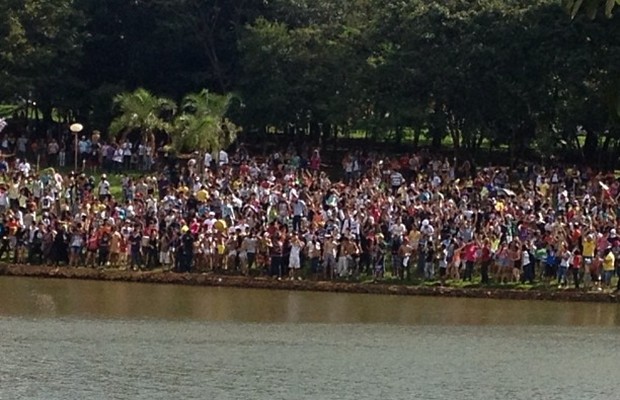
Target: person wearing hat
[(103, 188)]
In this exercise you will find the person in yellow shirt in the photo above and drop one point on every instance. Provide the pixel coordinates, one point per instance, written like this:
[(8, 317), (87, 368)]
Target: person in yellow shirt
[(609, 261), (589, 251), (499, 206), (414, 237), (589, 247), (202, 195), (182, 190), (543, 188)]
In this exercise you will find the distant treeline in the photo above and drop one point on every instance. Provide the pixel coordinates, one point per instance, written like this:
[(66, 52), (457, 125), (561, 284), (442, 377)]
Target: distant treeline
[(520, 76)]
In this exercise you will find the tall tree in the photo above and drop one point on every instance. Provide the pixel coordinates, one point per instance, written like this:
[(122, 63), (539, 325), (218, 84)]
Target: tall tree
[(142, 111), (202, 124), (590, 7), (213, 28), (40, 51)]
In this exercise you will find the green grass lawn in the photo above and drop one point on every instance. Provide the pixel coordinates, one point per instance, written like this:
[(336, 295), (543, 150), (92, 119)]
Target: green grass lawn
[(116, 188)]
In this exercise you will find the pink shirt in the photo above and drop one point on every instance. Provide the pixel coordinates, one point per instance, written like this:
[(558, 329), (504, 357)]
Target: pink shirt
[(470, 252)]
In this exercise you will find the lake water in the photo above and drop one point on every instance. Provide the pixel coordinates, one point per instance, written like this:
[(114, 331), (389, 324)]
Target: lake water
[(63, 339)]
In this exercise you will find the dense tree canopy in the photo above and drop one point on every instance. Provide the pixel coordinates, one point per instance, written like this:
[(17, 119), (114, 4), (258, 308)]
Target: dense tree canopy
[(526, 75)]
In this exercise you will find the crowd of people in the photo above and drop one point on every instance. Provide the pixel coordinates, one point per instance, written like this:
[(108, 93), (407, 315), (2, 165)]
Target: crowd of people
[(414, 216)]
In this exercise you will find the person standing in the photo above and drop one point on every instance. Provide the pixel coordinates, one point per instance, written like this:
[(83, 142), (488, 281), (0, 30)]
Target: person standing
[(207, 160), (575, 267), (294, 263), (36, 243), (485, 261), (126, 155), (250, 245), (103, 188), (104, 249), (330, 251), (429, 265), (115, 244), (187, 250), (609, 261), (117, 160), (223, 158), (314, 254), (299, 211), (527, 263), (152, 250), (405, 252), (565, 256), (396, 179), (52, 153), (135, 248), (442, 256), (471, 251), (276, 248)]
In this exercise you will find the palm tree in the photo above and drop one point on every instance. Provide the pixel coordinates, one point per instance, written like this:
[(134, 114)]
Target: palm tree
[(591, 7), (202, 125), (143, 111)]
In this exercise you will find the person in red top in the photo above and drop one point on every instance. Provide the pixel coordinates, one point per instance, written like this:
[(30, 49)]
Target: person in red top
[(485, 260), (244, 169), (315, 161), (470, 251)]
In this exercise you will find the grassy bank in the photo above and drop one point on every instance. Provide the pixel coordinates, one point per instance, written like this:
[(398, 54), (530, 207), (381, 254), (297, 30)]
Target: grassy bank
[(383, 288)]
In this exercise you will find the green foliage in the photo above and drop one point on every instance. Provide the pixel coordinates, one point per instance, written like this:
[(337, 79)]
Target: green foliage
[(517, 74), (199, 123), (40, 50), (141, 110), (202, 125), (590, 7)]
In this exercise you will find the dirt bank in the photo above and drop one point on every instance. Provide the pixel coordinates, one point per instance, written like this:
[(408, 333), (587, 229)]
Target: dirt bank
[(267, 283)]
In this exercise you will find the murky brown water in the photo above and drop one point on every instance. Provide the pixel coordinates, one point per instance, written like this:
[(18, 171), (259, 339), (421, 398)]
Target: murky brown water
[(65, 339)]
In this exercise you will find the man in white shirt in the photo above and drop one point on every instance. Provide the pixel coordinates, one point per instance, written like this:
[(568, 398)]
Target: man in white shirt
[(398, 229), (104, 188), (24, 167), (223, 157), (208, 159)]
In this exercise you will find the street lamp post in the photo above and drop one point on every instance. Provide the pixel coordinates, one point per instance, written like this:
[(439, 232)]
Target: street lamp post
[(76, 129)]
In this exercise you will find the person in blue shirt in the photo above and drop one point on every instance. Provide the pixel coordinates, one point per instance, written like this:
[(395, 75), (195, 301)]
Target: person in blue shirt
[(551, 264)]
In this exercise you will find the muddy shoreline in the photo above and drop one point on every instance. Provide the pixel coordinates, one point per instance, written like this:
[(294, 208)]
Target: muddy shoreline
[(158, 277)]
